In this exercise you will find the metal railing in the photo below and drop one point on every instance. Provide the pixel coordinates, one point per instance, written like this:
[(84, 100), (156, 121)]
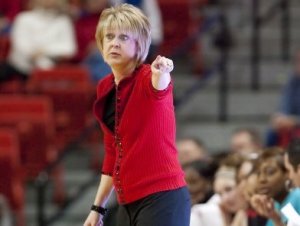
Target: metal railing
[(258, 21), (281, 6), (220, 66), (42, 182)]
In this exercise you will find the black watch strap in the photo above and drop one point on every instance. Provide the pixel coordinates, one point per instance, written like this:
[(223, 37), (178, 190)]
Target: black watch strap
[(99, 209)]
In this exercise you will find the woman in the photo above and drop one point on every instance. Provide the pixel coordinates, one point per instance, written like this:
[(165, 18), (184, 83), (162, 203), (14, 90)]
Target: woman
[(229, 210), (199, 178), (272, 194), (135, 110)]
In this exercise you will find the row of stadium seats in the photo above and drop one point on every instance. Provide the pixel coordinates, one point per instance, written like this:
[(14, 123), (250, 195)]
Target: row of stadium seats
[(37, 122)]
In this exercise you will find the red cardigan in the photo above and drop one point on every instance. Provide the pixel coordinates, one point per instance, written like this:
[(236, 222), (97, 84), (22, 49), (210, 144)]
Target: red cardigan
[(141, 154)]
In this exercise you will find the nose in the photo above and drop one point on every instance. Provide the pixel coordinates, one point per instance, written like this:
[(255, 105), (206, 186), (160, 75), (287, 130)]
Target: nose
[(115, 43), (262, 179)]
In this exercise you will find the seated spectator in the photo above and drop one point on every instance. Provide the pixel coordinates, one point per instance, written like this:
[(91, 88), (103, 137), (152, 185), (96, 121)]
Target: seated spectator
[(245, 141), (271, 193), (292, 164), (40, 38), (292, 161), (246, 176), (247, 180), (288, 115), (199, 177), (230, 208), (190, 149)]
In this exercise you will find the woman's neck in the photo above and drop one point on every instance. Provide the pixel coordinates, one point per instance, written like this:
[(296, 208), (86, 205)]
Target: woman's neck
[(121, 72)]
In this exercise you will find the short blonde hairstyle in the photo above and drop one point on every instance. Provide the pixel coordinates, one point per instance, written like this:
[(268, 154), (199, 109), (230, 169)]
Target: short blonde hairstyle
[(128, 18)]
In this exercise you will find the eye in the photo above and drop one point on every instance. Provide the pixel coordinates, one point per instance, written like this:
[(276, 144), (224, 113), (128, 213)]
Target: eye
[(228, 189), (109, 36), (124, 37), (270, 171)]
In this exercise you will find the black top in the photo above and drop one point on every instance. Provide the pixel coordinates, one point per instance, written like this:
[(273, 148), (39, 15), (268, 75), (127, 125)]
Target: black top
[(110, 110), (256, 220)]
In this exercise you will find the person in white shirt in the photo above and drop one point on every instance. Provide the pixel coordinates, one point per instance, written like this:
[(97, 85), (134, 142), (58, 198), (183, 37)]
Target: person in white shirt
[(39, 39), (229, 208)]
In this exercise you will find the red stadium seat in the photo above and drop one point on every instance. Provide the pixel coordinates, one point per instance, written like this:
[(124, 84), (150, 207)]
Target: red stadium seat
[(4, 47), (33, 119), (13, 86), (69, 89), (11, 182), (179, 23)]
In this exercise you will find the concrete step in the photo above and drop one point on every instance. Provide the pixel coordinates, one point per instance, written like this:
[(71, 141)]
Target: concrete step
[(73, 179), (77, 213), (273, 73), (244, 103), (216, 136)]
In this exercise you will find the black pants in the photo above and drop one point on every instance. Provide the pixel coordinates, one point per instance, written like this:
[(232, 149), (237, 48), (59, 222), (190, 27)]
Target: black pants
[(168, 208), (8, 72)]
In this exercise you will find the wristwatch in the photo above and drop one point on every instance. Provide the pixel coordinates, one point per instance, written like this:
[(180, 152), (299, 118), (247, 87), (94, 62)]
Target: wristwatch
[(99, 209)]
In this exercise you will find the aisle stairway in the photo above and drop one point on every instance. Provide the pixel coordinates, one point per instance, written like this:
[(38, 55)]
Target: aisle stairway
[(198, 116)]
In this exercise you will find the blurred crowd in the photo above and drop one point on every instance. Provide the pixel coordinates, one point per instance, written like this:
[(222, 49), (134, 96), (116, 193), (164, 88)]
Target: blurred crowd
[(247, 183)]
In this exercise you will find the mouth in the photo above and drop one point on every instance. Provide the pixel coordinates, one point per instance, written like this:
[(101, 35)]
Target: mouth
[(114, 54), (263, 190)]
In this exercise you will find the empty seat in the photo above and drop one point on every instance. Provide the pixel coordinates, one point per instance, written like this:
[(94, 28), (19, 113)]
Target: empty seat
[(70, 89), (4, 47), (32, 117), (11, 183)]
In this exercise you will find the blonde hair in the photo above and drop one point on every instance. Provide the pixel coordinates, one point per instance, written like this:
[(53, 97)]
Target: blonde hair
[(129, 18)]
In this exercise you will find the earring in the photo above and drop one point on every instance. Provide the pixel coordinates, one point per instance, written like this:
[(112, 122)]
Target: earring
[(288, 184)]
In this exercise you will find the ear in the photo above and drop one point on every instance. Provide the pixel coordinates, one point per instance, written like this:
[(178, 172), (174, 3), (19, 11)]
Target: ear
[(298, 169)]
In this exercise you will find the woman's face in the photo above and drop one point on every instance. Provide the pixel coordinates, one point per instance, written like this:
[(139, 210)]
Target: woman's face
[(50, 4), (119, 48), (250, 186), (198, 186), (294, 175), (231, 195), (271, 178), (247, 179)]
